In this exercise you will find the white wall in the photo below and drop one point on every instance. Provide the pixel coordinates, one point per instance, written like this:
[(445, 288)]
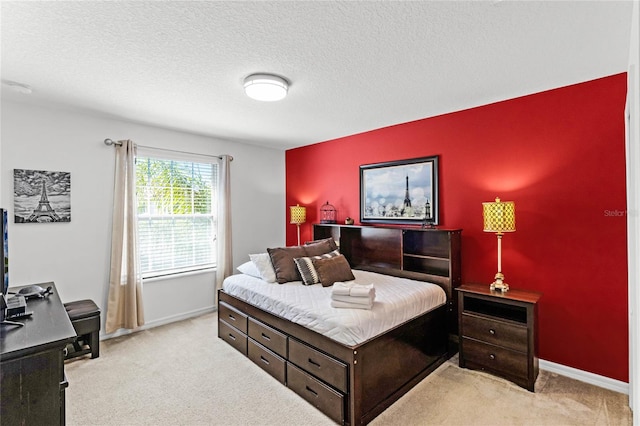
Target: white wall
[(633, 211), (76, 255)]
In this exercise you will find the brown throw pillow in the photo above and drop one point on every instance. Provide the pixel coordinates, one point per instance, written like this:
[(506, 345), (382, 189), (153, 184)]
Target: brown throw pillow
[(283, 264), (333, 269), (320, 247), (307, 270)]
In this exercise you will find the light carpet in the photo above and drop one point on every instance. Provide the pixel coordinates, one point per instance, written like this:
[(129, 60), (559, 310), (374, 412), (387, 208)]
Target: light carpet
[(183, 374)]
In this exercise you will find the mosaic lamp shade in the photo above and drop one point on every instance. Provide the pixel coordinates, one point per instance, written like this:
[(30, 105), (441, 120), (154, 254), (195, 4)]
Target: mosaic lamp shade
[(298, 214), (499, 217)]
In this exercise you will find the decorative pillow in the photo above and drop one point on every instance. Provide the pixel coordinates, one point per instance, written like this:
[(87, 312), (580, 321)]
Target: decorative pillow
[(318, 247), (333, 269), (283, 264), (264, 266), (307, 270), (249, 268)]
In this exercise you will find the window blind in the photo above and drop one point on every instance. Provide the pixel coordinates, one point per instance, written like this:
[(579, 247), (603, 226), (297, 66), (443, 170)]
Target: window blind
[(177, 202)]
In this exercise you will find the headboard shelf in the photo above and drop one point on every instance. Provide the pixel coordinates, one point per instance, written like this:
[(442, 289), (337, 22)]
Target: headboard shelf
[(431, 255)]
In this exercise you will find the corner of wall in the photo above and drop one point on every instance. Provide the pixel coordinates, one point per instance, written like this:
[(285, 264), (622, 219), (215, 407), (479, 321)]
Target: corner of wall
[(633, 207)]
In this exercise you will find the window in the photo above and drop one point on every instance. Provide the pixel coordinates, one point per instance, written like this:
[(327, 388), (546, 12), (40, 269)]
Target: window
[(176, 215)]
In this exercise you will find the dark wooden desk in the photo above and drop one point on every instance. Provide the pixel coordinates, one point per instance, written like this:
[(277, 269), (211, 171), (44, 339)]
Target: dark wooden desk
[(32, 364)]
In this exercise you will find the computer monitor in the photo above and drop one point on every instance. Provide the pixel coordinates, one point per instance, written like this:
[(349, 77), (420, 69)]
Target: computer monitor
[(4, 254)]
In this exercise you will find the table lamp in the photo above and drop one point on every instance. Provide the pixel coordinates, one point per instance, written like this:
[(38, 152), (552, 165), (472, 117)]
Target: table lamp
[(499, 217), (298, 216)]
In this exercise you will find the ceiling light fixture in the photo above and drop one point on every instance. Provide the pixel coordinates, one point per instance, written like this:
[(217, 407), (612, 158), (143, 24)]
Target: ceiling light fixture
[(266, 87)]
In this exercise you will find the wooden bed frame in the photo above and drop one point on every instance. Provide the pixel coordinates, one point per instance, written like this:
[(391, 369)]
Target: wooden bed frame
[(354, 384)]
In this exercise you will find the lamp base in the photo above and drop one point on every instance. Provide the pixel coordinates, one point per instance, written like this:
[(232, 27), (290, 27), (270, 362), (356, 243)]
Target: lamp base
[(499, 283)]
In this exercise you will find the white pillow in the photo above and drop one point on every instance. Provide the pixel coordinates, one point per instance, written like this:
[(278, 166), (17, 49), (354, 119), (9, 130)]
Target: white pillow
[(249, 268), (264, 265)]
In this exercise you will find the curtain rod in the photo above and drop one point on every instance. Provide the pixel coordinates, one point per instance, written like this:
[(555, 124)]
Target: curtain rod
[(110, 142)]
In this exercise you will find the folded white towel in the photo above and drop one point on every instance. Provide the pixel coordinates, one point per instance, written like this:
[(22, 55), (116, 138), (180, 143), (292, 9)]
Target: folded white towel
[(352, 299), (337, 304), (353, 289), (360, 290), (341, 288)]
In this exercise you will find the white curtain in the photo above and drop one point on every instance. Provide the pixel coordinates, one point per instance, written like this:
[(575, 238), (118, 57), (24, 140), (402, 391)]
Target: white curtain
[(124, 307), (223, 232)]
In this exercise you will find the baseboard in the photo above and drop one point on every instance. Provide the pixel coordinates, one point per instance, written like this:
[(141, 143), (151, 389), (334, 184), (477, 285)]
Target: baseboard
[(162, 321), (585, 376)]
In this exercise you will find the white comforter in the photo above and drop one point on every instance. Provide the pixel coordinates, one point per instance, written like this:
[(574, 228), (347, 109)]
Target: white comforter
[(397, 300)]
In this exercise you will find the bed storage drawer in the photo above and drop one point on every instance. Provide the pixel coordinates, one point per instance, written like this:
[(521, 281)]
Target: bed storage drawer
[(317, 393), (232, 317), (268, 337), (232, 336), (267, 360), (495, 358), (320, 365)]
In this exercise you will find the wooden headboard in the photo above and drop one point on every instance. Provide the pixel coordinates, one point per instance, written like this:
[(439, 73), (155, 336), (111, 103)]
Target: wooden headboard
[(431, 255)]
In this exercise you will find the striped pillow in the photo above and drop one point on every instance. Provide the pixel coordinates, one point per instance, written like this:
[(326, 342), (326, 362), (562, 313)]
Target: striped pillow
[(308, 271)]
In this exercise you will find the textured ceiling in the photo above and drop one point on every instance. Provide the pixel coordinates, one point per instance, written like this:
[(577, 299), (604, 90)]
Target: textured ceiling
[(353, 66)]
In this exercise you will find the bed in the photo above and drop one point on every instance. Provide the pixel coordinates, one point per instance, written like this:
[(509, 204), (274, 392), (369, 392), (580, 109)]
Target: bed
[(350, 363)]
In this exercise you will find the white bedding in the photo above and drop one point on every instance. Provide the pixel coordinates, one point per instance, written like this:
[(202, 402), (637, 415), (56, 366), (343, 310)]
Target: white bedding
[(397, 300)]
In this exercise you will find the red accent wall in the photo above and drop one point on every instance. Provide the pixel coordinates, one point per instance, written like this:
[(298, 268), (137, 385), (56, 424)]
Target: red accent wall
[(560, 156)]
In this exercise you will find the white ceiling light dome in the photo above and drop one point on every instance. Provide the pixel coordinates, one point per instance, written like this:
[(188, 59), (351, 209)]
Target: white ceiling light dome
[(266, 87)]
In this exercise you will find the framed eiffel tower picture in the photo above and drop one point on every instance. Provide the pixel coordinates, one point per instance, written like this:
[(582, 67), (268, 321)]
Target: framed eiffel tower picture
[(41, 196), (404, 191)]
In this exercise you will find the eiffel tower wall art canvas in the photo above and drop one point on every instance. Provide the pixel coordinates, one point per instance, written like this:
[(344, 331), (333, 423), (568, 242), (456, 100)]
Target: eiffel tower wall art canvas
[(404, 191), (41, 196)]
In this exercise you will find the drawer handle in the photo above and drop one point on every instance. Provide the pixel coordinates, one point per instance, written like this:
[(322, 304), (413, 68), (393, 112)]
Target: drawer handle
[(492, 356), (263, 359), (312, 391), (312, 362), (232, 337), (492, 331), (264, 336), (232, 318)]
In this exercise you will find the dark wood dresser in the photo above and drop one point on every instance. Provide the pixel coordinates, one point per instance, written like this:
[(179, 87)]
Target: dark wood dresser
[(32, 364), (498, 332)]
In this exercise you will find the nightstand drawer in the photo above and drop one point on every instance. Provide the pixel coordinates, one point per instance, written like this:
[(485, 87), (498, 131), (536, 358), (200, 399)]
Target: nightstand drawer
[(495, 358), (267, 360), (268, 337), (508, 335)]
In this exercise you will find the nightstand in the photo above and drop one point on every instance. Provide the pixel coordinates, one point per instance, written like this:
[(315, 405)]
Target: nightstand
[(498, 332)]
